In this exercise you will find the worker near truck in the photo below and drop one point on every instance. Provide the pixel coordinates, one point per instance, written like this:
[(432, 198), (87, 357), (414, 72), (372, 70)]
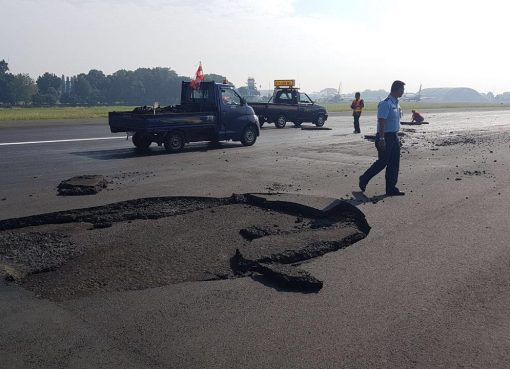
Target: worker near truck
[(357, 106), (387, 142)]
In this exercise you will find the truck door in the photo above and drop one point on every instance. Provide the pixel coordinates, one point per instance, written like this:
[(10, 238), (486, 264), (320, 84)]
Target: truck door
[(231, 112), (287, 100), (305, 108)]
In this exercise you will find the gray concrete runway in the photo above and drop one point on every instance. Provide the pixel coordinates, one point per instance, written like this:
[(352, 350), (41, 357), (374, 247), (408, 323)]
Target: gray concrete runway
[(428, 288)]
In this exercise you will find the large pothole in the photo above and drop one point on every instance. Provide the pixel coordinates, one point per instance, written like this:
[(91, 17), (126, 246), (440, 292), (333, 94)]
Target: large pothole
[(159, 241)]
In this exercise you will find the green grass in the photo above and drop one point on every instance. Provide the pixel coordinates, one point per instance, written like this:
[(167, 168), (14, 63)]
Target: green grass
[(21, 113), (29, 113), (409, 105)]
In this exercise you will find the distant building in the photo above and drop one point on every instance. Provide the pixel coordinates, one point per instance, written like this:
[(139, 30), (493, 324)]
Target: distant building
[(327, 95), (250, 91)]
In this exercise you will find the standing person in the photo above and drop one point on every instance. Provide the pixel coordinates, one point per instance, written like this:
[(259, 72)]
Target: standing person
[(387, 142), (357, 105)]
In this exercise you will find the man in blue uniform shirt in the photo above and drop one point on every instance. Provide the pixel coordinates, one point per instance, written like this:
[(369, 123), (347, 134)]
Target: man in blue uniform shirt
[(387, 142)]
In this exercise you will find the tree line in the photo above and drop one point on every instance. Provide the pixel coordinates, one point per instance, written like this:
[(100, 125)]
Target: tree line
[(124, 87)]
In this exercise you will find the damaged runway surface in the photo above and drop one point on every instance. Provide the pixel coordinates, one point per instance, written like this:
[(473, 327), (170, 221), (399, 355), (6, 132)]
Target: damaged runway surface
[(153, 242)]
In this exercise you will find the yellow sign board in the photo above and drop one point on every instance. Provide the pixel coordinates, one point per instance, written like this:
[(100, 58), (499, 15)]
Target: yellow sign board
[(284, 82)]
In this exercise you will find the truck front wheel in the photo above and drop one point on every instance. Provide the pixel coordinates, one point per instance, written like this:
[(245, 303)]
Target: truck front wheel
[(320, 120), (281, 121), (141, 141), (249, 136), (174, 142)]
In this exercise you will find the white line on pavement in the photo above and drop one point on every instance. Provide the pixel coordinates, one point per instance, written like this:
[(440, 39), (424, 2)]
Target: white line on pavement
[(53, 141)]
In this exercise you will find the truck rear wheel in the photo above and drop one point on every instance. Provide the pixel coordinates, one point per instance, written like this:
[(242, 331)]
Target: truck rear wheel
[(281, 121), (262, 120), (141, 141), (249, 136), (320, 120), (174, 142)]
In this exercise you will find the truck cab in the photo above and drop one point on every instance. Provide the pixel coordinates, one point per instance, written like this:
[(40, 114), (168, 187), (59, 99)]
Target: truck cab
[(306, 109)]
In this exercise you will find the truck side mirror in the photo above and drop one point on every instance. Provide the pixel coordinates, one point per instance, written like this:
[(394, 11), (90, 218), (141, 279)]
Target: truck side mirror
[(243, 101)]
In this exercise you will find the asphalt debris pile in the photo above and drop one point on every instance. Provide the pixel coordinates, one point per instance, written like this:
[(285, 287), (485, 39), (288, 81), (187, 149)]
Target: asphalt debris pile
[(414, 123), (474, 172), (33, 252), (276, 253), (456, 140), (276, 187), (155, 242), (372, 137), (82, 185), (132, 177)]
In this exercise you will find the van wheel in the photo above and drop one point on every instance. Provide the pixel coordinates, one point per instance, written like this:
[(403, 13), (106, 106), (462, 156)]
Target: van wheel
[(174, 142), (281, 121), (320, 120), (249, 136), (141, 141)]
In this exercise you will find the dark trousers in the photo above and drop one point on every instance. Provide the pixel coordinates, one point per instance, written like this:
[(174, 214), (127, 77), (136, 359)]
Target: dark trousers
[(356, 122), (388, 158)]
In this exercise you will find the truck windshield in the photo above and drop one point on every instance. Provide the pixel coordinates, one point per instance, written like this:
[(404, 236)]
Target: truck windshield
[(230, 97), (304, 99)]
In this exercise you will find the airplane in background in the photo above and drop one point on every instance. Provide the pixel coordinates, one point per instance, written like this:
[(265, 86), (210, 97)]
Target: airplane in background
[(412, 96)]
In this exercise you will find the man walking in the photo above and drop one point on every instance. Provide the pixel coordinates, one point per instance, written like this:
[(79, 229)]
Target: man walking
[(387, 142), (357, 105)]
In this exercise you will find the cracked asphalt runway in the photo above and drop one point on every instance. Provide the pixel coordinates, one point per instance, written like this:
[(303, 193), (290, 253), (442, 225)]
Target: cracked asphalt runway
[(428, 287)]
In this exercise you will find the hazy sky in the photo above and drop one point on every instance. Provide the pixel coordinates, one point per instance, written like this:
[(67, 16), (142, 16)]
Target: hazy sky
[(320, 43)]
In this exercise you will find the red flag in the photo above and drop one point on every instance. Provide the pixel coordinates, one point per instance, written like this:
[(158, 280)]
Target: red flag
[(199, 77)]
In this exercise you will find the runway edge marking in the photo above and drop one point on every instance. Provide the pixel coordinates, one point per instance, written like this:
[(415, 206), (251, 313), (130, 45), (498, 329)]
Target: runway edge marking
[(56, 141)]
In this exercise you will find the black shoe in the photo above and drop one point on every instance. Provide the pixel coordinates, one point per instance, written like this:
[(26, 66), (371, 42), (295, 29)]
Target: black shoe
[(395, 192), (362, 185)]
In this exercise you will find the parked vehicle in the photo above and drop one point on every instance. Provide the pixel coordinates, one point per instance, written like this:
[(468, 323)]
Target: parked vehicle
[(288, 104), (211, 112)]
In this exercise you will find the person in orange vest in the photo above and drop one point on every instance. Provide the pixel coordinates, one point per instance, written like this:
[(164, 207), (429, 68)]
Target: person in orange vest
[(417, 117), (357, 105)]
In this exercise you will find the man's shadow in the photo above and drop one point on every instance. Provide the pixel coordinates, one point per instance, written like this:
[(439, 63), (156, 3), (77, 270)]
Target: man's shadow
[(358, 199), (361, 198)]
